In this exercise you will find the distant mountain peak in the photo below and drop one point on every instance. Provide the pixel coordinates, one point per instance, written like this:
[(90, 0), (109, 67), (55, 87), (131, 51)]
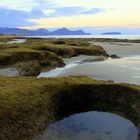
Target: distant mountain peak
[(41, 32), (42, 29), (64, 28), (65, 31)]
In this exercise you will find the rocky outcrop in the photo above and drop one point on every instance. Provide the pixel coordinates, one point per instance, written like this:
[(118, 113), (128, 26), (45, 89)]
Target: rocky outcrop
[(29, 105)]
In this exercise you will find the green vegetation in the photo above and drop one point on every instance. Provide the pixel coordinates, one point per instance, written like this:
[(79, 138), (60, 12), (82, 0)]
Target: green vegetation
[(66, 47), (5, 39), (28, 60), (28, 105), (36, 54), (29, 68)]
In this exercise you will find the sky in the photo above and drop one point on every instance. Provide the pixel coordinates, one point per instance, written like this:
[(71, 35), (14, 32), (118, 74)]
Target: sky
[(93, 16)]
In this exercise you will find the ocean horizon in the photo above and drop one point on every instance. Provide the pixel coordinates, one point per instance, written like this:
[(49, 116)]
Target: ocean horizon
[(130, 37)]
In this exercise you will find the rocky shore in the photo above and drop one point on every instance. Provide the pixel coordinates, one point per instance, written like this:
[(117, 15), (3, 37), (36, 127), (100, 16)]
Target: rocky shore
[(28, 104)]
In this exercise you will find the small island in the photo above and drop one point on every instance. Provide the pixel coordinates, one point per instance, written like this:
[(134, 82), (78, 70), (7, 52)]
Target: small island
[(111, 33)]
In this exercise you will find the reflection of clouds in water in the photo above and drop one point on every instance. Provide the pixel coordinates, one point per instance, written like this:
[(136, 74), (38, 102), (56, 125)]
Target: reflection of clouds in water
[(123, 66), (120, 50), (135, 68), (91, 126), (132, 58), (119, 70), (137, 77), (57, 71)]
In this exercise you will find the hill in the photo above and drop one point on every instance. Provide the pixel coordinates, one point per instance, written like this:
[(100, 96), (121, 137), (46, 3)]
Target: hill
[(41, 32)]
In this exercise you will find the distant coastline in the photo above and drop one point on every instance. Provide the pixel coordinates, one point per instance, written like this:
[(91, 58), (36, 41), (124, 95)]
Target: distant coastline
[(112, 33), (128, 37)]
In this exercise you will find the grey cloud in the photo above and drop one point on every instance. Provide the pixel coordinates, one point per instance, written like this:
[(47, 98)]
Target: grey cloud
[(15, 18)]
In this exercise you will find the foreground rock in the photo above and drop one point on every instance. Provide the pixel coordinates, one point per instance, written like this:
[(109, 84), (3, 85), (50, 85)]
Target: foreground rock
[(28, 105)]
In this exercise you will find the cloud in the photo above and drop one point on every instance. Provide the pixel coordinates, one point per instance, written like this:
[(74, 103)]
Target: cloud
[(93, 11), (68, 11), (43, 4), (15, 18), (37, 13), (21, 18)]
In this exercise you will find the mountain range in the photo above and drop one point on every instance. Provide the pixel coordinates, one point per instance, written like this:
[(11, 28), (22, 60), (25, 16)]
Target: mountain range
[(41, 32)]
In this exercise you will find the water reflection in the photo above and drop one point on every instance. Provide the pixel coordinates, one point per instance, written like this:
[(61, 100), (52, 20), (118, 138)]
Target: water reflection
[(17, 41), (91, 126), (125, 69), (70, 63)]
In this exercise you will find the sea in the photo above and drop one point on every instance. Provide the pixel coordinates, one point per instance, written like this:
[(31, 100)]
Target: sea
[(131, 37)]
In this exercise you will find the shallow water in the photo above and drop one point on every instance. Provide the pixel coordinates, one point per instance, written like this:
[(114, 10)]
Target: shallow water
[(120, 70), (125, 69), (9, 72), (70, 63), (18, 41), (91, 126), (120, 48)]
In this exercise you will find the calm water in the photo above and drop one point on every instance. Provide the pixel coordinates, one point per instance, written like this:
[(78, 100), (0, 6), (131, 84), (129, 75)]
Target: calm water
[(91, 126), (120, 70), (70, 63), (133, 37), (17, 41), (9, 72), (120, 48), (125, 69)]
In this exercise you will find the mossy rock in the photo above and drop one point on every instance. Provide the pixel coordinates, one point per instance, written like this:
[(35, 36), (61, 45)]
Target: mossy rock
[(48, 53), (11, 56), (32, 68), (29, 105)]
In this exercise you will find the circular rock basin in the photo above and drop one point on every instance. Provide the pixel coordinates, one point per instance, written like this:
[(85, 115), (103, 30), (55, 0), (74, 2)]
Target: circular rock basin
[(91, 126)]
